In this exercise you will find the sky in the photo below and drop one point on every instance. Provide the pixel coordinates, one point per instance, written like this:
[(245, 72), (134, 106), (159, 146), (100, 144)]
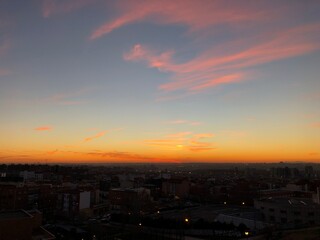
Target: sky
[(88, 81)]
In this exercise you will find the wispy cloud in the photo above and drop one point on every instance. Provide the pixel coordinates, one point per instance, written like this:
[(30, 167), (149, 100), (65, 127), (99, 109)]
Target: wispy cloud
[(43, 128), (119, 155), (98, 135), (52, 7), (183, 140), (196, 15), (266, 36), (211, 70)]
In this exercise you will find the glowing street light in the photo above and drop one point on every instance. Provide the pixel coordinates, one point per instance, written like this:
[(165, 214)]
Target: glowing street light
[(186, 220), (246, 233)]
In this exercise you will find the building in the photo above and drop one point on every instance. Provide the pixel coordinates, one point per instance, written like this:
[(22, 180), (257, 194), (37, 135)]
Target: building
[(176, 187), (28, 223), (252, 220), (71, 202), (131, 200), (289, 212)]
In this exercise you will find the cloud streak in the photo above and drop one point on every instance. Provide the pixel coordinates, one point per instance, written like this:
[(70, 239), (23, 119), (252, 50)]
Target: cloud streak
[(211, 70), (43, 128), (98, 135), (195, 15)]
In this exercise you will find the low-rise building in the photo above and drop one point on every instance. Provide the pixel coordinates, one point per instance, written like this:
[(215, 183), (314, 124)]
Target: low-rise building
[(28, 224), (289, 212)]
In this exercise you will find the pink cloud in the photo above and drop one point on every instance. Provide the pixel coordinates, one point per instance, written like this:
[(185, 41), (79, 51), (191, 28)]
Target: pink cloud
[(232, 78), (51, 7), (210, 70), (43, 128), (266, 36), (196, 15), (98, 135)]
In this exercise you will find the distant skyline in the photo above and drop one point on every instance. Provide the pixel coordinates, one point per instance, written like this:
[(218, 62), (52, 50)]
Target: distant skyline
[(159, 81)]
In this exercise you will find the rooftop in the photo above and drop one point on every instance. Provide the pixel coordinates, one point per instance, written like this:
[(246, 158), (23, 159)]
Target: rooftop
[(294, 202)]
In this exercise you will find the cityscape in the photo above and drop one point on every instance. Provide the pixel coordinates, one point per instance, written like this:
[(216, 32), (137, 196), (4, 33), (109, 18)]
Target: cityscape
[(160, 201), (159, 119)]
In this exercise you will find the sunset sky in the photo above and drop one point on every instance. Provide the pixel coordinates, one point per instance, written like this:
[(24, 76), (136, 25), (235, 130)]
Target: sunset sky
[(159, 81)]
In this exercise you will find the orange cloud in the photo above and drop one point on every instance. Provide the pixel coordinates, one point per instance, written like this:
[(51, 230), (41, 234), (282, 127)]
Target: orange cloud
[(52, 152), (43, 128), (51, 7), (184, 140), (196, 145), (119, 155), (100, 134)]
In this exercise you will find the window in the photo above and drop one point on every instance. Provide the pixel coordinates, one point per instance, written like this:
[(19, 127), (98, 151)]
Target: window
[(271, 209), (310, 214), (272, 218), (283, 220), (283, 211)]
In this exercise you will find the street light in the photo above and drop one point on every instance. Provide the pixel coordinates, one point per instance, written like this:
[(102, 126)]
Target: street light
[(186, 220), (246, 233)]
